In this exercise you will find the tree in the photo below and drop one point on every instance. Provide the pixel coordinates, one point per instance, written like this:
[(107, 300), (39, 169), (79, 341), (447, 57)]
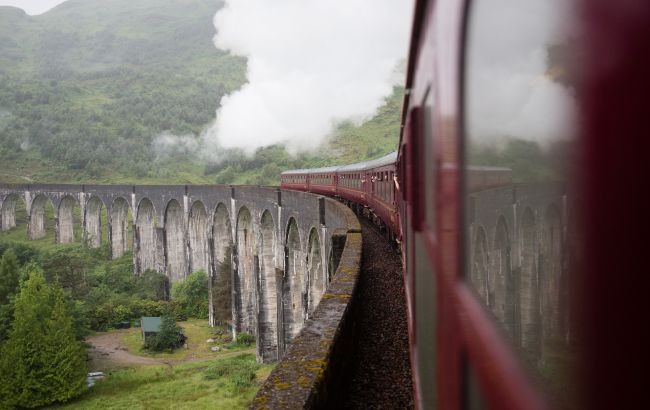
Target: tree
[(6, 315), (192, 294), (8, 276), (41, 362), (221, 289), (66, 355)]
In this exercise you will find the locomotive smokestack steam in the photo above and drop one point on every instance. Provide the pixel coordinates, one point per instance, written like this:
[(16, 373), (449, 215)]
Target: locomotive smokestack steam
[(311, 64)]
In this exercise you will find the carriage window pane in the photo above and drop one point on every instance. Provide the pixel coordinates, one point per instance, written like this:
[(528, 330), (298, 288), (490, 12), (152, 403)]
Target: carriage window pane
[(428, 161), (519, 106)]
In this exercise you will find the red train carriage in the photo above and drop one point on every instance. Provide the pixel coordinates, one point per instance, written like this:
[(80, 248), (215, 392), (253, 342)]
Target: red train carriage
[(352, 183), (530, 310), (296, 179), (485, 177), (509, 284), (380, 190), (323, 180)]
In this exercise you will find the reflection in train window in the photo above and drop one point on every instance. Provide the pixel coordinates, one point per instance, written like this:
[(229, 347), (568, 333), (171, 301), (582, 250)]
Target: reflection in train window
[(518, 113)]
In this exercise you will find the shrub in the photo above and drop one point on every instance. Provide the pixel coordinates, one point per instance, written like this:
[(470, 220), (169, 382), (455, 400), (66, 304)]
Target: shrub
[(245, 339), (239, 370), (192, 294), (243, 379)]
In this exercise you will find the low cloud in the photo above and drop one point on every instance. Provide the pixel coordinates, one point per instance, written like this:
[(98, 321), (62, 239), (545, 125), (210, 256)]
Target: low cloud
[(166, 145)]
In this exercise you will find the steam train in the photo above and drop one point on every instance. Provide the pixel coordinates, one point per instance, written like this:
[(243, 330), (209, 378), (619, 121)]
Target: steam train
[(476, 348)]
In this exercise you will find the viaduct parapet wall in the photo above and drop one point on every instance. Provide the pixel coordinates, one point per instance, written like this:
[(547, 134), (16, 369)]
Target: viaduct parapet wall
[(281, 248)]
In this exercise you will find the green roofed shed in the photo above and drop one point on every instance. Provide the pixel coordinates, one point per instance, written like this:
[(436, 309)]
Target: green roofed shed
[(150, 326)]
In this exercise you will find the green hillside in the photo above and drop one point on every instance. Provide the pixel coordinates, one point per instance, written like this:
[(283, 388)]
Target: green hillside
[(86, 87)]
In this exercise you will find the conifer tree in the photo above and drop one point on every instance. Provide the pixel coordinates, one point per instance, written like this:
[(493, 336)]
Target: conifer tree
[(8, 276), (66, 356), (41, 362)]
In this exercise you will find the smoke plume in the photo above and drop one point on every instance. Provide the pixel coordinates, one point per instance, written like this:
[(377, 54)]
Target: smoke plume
[(311, 64)]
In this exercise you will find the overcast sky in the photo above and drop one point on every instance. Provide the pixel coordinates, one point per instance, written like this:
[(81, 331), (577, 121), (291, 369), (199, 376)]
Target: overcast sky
[(32, 7)]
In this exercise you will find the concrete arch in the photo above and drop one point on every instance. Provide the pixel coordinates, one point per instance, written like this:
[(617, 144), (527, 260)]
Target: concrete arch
[(9, 210), (503, 286), (65, 220), (268, 317), (93, 222), (480, 274), (528, 289), (220, 283), (146, 239), (37, 217), (247, 272), (552, 281), (292, 285), (175, 242), (119, 227), (315, 277), (198, 238)]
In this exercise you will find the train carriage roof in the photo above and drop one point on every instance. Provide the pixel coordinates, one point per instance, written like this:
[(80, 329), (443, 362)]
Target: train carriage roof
[(359, 166), (374, 163), (324, 170)]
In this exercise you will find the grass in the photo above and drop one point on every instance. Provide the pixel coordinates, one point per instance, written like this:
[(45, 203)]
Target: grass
[(197, 332), (185, 386)]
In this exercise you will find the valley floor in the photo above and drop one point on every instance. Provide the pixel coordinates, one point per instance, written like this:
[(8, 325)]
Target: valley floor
[(192, 378)]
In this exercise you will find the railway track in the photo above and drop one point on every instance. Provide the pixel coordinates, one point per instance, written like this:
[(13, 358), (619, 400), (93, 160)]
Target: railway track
[(381, 373)]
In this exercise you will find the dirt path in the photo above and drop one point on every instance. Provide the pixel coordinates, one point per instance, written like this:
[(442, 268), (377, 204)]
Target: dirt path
[(108, 352)]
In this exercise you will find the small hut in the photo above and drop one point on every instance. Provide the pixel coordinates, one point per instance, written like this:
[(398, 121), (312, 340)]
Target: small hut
[(150, 326)]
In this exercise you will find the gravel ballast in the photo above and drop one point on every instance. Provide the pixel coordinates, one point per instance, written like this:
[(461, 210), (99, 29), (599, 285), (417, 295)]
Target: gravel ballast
[(381, 373)]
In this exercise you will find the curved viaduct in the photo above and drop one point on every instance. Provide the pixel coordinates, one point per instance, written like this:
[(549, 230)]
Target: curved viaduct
[(283, 245)]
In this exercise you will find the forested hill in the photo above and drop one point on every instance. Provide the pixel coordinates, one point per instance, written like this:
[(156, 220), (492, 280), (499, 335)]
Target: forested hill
[(86, 87)]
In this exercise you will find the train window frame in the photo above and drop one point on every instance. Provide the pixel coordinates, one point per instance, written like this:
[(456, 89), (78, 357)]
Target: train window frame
[(428, 160)]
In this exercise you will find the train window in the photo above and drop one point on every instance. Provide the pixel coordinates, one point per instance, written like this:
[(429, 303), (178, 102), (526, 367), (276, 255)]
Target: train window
[(428, 162), (518, 139)]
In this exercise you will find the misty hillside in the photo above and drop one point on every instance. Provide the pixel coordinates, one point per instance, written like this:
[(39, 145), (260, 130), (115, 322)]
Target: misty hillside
[(86, 87)]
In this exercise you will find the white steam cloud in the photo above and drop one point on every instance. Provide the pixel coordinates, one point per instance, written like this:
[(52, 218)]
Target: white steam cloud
[(509, 93), (311, 64), (165, 145)]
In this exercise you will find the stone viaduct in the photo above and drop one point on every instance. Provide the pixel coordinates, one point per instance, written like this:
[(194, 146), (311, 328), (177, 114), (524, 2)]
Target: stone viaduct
[(283, 246), (517, 261)]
